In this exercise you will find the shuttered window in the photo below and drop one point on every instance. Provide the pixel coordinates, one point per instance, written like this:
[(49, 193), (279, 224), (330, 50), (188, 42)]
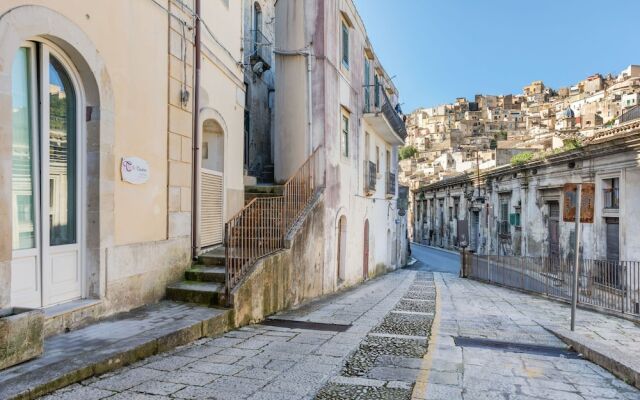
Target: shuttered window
[(345, 45)]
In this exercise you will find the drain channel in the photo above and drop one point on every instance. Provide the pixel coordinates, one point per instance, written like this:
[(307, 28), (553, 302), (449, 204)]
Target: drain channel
[(314, 326), (515, 347)]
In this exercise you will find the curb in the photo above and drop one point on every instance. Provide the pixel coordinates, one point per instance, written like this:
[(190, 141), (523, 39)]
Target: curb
[(436, 248), (613, 360), (66, 372)]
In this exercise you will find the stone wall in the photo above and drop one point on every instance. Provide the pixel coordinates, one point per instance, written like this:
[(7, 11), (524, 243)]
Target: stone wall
[(289, 277)]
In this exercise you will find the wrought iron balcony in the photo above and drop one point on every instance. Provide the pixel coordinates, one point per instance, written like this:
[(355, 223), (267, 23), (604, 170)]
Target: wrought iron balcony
[(391, 184), (261, 49), (370, 176), (381, 114)]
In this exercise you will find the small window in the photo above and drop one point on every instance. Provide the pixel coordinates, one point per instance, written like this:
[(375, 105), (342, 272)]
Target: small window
[(345, 135), (345, 45), (378, 159)]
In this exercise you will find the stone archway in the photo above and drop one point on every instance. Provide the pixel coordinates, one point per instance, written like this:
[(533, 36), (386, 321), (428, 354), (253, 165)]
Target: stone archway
[(17, 26)]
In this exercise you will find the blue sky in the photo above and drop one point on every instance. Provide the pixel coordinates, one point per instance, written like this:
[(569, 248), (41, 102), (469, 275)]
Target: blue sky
[(443, 49)]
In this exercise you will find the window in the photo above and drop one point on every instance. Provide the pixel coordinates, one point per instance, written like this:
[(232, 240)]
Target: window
[(367, 87), (377, 159), (257, 26), (503, 228), (376, 88), (345, 135), (611, 193), (388, 161), (456, 207), (345, 45)]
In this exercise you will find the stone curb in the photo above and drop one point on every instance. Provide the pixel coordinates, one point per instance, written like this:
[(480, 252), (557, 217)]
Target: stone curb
[(457, 253), (613, 360), (66, 372)]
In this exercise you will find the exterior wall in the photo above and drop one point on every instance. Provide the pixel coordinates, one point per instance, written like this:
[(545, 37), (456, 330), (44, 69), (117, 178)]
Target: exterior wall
[(287, 278), (529, 189), (137, 236), (335, 91)]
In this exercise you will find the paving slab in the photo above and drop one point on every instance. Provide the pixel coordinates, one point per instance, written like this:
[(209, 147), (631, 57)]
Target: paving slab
[(262, 361), (526, 365), (108, 345)]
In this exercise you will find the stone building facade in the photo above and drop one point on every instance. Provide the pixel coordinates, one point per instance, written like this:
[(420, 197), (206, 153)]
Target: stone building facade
[(338, 98), (518, 209), (81, 237)]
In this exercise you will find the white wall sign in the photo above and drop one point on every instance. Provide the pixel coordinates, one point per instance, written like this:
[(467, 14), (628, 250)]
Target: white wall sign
[(134, 170)]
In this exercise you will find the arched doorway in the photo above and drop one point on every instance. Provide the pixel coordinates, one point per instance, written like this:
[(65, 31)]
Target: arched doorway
[(47, 184), (365, 252), (212, 184), (342, 248)]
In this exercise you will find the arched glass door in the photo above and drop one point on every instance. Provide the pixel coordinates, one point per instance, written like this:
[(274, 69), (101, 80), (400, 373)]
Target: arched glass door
[(46, 267)]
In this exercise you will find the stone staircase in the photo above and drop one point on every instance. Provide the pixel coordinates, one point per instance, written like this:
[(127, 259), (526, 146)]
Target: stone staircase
[(262, 190), (204, 282)]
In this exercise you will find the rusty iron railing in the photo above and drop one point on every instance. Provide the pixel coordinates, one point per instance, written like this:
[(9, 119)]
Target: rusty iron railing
[(260, 228), (607, 284)]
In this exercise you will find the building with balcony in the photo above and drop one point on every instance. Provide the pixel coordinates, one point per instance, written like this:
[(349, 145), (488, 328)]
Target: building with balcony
[(338, 98)]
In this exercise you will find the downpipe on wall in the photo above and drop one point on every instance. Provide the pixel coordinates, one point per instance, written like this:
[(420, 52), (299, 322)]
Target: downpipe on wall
[(195, 160)]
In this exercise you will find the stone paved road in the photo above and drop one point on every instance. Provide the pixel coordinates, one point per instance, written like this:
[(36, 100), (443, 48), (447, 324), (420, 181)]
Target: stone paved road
[(477, 310), (258, 361), (436, 260)]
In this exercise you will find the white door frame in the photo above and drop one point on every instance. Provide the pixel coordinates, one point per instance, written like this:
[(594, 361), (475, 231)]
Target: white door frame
[(41, 169)]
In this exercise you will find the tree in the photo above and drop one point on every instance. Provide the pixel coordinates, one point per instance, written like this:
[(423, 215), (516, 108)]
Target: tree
[(407, 152)]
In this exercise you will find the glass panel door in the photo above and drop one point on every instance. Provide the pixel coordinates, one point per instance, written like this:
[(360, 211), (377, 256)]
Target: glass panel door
[(23, 195), (62, 157)]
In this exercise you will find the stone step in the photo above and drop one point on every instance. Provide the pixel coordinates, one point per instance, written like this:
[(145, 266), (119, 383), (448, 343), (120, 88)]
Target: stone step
[(208, 293), (213, 257), (276, 190), (206, 273)]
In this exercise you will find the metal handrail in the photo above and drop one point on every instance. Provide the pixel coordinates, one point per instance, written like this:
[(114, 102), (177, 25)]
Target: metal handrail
[(612, 285), (260, 228)]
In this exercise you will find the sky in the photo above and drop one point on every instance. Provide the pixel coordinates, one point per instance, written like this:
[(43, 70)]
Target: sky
[(443, 49)]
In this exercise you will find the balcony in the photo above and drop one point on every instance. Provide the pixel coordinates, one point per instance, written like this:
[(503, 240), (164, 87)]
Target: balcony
[(381, 115), (391, 184), (261, 49), (370, 177), (611, 198)]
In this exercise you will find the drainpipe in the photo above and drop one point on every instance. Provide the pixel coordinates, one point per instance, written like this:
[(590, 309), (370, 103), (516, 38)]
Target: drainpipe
[(195, 159), (309, 101)]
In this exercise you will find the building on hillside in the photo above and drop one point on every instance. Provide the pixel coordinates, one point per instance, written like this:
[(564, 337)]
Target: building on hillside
[(517, 210), (116, 208), (339, 101)]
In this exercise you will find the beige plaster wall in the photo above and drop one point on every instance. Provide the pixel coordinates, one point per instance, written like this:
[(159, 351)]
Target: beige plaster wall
[(140, 91)]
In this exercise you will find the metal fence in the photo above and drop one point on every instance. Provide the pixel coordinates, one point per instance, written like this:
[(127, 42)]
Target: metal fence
[(259, 229), (610, 285)]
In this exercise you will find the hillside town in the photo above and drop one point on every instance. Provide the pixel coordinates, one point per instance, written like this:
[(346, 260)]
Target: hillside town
[(493, 130)]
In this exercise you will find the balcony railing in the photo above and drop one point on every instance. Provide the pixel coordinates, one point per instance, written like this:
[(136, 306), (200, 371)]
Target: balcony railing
[(391, 184), (370, 171), (377, 101), (611, 198), (261, 49)]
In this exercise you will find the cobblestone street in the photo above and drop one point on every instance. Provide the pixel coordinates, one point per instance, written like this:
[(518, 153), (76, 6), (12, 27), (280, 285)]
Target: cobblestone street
[(374, 342), (274, 362)]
